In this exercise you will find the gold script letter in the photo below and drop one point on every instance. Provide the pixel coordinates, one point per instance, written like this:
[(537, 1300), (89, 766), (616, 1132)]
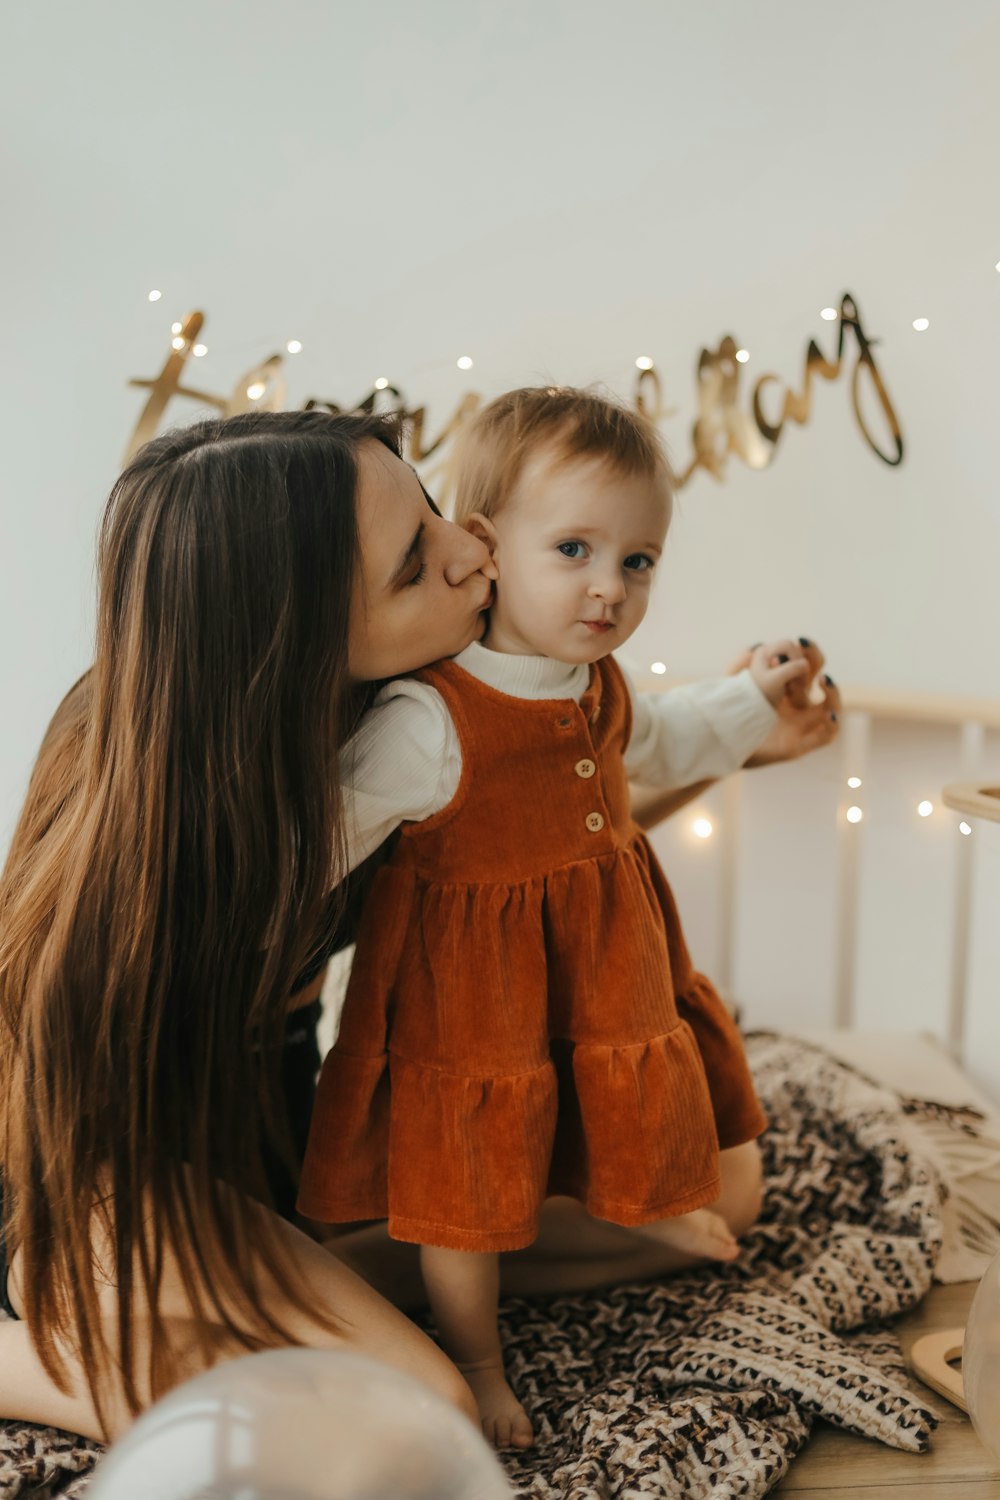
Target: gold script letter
[(167, 385), (721, 428)]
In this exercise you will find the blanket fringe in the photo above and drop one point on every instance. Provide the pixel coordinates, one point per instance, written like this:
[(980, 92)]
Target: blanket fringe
[(965, 1154)]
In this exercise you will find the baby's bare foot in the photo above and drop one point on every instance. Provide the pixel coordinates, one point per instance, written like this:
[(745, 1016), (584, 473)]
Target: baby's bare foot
[(702, 1234), (505, 1421)]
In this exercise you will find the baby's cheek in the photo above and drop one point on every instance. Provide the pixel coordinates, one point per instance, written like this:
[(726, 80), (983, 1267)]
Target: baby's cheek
[(637, 610)]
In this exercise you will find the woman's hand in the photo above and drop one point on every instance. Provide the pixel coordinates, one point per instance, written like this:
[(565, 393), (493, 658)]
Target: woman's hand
[(781, 669), (802, 725)]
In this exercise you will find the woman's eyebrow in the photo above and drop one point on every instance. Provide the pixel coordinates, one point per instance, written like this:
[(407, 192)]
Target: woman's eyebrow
[(407, 557)]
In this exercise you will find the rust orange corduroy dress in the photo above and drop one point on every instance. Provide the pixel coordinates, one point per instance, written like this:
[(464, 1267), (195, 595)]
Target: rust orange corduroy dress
[(522, 1017)]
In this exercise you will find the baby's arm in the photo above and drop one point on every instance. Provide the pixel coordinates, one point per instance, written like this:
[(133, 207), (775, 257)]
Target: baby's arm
[(401, 766), (705, 730), (698, 732)]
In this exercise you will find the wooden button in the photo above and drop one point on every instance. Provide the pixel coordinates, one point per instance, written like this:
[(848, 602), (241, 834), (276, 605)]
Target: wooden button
[(595, 822), (585, 768)]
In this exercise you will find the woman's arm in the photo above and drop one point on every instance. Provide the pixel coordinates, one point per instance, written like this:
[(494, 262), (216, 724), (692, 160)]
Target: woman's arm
[(651, 807), (363, 1321)]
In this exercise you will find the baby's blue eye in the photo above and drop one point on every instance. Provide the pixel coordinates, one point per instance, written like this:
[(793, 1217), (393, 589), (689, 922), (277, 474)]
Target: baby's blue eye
[(572, 549), (639, 562)]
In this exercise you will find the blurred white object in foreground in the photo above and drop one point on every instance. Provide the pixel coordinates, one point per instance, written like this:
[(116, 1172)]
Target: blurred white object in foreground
[(301, 1424)]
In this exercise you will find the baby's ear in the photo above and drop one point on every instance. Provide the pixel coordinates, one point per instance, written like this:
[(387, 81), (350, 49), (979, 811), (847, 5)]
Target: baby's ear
[(482, 528)]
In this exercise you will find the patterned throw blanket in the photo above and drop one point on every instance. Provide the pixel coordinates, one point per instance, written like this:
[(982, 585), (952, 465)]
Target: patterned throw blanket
[(708, 1384)]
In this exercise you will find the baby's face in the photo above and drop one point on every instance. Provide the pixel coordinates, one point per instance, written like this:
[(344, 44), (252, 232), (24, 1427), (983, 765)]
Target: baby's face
[(576, 550)]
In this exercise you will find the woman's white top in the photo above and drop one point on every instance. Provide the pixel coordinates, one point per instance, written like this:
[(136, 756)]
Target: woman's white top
[(405, 761)]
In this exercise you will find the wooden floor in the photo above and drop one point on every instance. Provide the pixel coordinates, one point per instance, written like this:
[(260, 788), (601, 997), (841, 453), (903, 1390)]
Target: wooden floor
[(836, 1466)]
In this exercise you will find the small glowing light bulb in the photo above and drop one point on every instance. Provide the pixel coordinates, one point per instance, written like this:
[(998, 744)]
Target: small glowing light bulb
[(155, 296), (177, 343), (255, 390), (659, 667), (854, 815), (644, 362), (702, 828), (199, 350), (925, 808), (294, 346), (921, 323), (381, 383), (176, 327), (464, 362), (829, 313), (743, 355), (854, 782), (965, 828)]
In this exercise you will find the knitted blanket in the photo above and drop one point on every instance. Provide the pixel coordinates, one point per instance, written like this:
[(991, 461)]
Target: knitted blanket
[(708, 1384)]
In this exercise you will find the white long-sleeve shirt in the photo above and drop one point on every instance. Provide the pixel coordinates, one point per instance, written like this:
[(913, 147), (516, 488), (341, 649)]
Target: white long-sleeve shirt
[(405, 761)]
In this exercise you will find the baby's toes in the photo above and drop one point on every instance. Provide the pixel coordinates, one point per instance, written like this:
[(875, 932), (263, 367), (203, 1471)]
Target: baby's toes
[(521, 1434), (721, 1242), (499, 1434)]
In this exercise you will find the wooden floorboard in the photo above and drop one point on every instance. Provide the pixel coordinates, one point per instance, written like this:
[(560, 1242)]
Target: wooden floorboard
[(836, 1465)]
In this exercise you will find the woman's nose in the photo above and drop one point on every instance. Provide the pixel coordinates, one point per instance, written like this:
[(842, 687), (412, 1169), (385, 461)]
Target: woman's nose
[(468, 555)]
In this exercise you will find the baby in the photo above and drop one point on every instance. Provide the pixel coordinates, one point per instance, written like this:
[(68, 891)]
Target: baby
[(523, 1018)]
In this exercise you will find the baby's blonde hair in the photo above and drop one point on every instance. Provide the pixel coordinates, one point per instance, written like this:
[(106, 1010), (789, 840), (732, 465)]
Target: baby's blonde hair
[(569, 423)]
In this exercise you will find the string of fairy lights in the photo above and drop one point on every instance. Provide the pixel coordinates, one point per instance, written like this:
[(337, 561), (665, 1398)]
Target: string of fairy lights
[(701, 826), (292, 346), (924, 809), (464, 361)]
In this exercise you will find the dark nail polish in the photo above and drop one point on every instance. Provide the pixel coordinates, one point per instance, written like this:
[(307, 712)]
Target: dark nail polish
[(828, 680), (804, 640), (782, 659)]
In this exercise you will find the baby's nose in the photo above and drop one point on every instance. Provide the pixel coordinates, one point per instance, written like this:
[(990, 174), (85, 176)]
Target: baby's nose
[(611, 588)]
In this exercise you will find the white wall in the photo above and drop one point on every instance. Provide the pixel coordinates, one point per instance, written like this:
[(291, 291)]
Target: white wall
[(553, 189)]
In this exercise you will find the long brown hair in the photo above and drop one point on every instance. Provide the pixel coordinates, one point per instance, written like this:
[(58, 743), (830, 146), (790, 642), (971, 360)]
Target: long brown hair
[(169, 877)]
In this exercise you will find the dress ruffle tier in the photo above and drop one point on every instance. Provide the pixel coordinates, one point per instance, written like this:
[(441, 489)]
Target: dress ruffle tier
[(518, 1079)]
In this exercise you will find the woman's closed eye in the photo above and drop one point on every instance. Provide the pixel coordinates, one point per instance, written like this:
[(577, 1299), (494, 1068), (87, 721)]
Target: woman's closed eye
[(418, 576)]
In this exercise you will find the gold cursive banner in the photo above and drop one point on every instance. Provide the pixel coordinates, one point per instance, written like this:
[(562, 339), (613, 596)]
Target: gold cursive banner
[(723, 427)]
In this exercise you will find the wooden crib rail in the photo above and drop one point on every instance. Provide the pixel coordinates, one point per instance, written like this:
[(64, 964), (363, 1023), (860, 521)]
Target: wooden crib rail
[(889, 742)]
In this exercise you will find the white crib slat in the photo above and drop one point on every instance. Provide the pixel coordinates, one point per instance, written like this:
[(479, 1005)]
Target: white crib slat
[(784, 930), (729, 865), (694, 868), (971, 747), (903, 956), (855, 738)]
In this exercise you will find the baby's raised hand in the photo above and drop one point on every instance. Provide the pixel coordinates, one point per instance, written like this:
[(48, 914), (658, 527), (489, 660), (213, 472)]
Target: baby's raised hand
[(780, 669)]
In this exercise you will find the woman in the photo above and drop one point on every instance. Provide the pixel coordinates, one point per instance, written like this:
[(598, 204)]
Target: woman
[(153, 923), (167, 889)]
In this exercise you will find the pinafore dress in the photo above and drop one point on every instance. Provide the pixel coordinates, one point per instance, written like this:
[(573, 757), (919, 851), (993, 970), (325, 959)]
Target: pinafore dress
[(522, 1017)]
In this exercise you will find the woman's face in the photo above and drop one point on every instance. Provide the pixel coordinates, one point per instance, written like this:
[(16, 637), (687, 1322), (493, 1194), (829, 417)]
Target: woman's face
[(424, 583)]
